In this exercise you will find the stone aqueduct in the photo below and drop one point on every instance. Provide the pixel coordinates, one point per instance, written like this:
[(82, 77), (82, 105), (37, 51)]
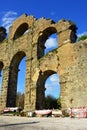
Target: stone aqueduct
[(69, 60)]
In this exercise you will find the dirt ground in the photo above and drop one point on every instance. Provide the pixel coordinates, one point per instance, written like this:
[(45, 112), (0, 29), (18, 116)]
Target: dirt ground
[(42, 123)]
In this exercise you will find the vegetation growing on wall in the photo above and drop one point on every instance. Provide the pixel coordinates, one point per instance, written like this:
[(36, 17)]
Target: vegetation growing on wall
[(81, 38)]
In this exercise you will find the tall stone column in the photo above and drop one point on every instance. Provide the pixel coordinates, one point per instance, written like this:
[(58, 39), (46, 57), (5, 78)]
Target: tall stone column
[(3, 100), (27, 100), (30, 91), (33, 95)]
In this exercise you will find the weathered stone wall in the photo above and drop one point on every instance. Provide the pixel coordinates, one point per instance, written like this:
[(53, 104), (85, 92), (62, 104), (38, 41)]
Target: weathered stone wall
[(73, 75), (68, 60)]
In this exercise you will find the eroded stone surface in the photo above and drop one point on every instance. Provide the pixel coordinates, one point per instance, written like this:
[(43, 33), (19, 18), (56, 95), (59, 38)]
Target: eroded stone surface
[(27, 37)]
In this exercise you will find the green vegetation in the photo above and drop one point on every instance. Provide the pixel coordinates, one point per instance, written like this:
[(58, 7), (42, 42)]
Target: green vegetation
[(59, 103), (20, 100), (81, 38), (14, 113), (52, 103)]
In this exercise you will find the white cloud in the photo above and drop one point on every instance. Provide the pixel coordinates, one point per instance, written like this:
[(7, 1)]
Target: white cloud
[(54, 79), (8, 18), (52, 86), (10, 13), (51, 42), (48, 86), (53, 90)]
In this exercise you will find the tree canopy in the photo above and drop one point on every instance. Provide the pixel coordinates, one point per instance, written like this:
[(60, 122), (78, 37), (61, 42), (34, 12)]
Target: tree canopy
[(52, 103), (81, 38)]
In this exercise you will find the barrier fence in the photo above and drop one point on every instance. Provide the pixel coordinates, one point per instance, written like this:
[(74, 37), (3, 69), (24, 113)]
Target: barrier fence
[(80, 112)]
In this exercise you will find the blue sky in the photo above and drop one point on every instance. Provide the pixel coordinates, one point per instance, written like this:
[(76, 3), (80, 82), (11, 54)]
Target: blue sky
[(74, 10)]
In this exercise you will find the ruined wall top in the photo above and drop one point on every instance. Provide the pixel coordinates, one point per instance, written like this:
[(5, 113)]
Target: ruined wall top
[(2, 34), (65, 29)]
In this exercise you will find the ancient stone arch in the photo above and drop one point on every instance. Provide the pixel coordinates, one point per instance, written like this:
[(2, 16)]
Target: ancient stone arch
[(27, 37)]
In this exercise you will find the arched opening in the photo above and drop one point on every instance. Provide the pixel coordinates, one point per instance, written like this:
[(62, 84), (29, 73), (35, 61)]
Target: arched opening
[(52, 92), (21, 84), (52, 86), (23, 28), (42, 86), (14, 80), (47, 41), (1, 75), (51, 43)]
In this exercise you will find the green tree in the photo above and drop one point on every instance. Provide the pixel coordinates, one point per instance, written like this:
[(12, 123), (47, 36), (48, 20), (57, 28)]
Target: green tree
[(52, 103), (20, 100), (59, 103), (83, 37)]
